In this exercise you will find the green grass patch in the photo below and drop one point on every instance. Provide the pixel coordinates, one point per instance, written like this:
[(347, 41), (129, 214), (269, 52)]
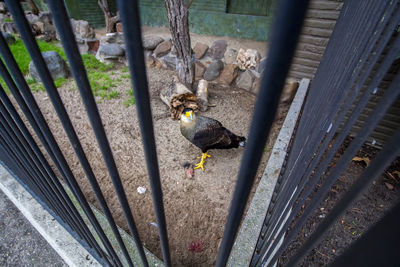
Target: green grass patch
[(131, 100), (92, 64), (8, 20), (125, 69), (99, 79)]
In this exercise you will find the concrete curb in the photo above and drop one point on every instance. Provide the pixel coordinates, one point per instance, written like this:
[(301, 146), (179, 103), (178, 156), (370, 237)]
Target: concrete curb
[(246, 240), (70, 250)]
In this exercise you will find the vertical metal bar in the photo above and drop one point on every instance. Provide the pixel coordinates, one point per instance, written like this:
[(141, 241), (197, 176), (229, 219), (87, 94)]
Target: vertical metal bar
[(69, 129), (48, 141), (288, 22), (377, 167), (130, 17), (379, 246), (78, 70), (373, 120), (70, 208), (7, 128), (357, 111)]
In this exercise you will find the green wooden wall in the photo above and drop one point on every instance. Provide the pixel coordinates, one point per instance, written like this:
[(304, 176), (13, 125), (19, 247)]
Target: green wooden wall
[(211, 17)]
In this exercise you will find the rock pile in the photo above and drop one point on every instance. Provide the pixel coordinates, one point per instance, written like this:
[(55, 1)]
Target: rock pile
[(215, 64), (44, 30)]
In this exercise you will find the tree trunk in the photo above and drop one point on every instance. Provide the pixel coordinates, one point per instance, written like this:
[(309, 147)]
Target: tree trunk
[(110, 20), (179, 26), (33, 7)]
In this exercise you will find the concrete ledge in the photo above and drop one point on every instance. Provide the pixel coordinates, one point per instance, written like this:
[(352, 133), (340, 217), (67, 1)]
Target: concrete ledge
[(70, 250), (246, 240)]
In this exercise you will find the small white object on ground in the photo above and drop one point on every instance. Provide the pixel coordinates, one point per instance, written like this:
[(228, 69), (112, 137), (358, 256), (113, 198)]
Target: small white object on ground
[(141, 189)]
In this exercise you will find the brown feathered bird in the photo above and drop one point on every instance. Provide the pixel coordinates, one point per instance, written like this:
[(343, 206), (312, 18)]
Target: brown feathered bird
[(207, 133)]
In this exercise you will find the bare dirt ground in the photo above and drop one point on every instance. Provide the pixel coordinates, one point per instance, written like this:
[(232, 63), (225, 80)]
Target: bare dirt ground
[(380, 197), (196, 209)]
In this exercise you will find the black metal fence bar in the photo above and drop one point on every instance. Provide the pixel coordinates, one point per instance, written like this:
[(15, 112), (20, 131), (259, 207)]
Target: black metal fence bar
[(27, 36), (335, 122), (78, 70), (382, 40), (58, 105), (8, 128), (313, 179), (316, 125), (286, 30), (28, 163), (325, 105), (70, 209), (24, 107), (32, 111), (379, 246), (133, 41), (300, 151), (380, 110), (377, 166)]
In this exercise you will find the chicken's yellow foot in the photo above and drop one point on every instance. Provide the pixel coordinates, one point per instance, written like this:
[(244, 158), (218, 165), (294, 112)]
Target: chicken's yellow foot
[(203, 159)]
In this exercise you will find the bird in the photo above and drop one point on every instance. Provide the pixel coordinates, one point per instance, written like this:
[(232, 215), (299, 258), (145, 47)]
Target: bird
[(207, 133)]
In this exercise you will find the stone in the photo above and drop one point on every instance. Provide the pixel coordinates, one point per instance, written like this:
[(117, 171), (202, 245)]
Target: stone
[(44, 38), (217, 49), (245, 80), (87, 45), (93, 44), (261, 65), (228, 74), (118, 27), (113, 38), (150, 61), (248, 59), (45, 17), (35, 29), (40, 26), (230, 56), (169, 61), (256, 85), (56, 65), (3, 8), (10, 39), (108, 51), (150, 42), (213, 71), (199, 70), (206, 61), (199, 50), (9, 27), (82, 29), (32, 18), (162, 49)]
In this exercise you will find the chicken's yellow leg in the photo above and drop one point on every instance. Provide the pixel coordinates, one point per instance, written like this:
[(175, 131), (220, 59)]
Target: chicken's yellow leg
[(201, 163)]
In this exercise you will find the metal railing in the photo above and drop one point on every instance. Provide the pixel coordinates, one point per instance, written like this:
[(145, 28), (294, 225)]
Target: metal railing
[(341, 77)]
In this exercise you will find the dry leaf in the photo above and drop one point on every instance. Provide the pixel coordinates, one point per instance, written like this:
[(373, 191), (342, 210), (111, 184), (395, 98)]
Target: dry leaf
[(365, 160), (392, 176), (397, 173), (389, 186)]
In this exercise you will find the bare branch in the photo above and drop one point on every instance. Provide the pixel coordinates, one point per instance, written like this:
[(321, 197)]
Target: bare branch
[(189, 4)]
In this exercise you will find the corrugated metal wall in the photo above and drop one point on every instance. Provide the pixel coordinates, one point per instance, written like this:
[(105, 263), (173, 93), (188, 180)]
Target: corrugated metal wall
[(320, 21)]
